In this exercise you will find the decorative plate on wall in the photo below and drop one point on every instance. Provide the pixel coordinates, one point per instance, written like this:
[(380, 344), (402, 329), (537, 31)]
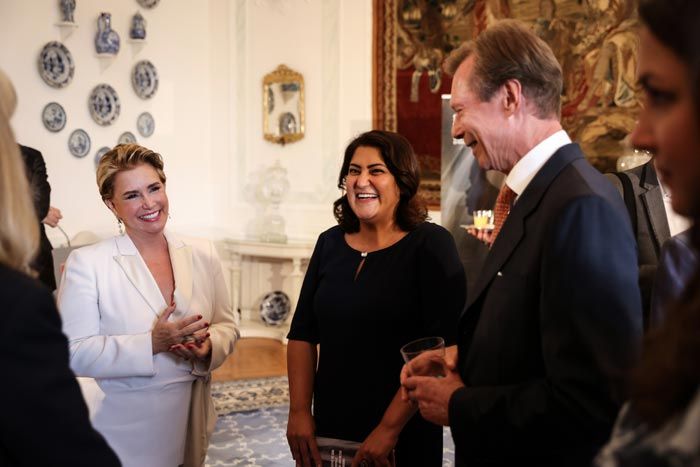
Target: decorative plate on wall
[(79, 143), (288, 124), (144, 78), (100, 152), (104, 104), (145, 124), (56, 65), (54, 117), (126, 138), (148, 4), (275, 308)]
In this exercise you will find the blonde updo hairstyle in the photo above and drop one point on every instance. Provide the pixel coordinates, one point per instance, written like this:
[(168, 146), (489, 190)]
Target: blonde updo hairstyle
[(125, 157)]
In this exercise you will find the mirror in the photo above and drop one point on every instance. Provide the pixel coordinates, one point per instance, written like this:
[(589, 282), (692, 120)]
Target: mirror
[(283, 106)]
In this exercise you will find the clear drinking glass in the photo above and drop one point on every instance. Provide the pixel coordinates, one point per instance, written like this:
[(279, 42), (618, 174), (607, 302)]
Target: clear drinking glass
[(431, 353), (483, 219)]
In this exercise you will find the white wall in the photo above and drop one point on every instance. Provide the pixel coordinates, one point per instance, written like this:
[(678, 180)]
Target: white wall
[(211, 56), (329, 42)]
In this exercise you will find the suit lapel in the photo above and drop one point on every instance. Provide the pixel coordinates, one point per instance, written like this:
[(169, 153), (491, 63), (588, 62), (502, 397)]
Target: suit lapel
[(653, 202), (181, 259), (514, 227), (135, 269)]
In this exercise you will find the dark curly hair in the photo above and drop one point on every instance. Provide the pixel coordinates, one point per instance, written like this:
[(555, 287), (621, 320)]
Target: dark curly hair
[(401, 161)]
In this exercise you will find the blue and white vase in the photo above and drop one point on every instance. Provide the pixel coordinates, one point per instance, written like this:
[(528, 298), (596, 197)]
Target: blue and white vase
[(107, 39), (67, 9), (138, 27)]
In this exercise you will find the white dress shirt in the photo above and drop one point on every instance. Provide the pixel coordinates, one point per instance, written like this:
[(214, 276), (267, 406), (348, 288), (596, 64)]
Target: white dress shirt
[(526, 168)]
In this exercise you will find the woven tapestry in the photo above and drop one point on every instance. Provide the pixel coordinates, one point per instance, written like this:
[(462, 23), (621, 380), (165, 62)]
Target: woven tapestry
[(594, 40)]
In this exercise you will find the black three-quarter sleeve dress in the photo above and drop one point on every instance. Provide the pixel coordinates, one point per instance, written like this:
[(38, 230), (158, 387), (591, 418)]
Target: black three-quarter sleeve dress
[(412, 289)]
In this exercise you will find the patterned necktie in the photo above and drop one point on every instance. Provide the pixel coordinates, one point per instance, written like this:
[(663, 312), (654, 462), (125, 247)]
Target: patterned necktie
[(501, 210)]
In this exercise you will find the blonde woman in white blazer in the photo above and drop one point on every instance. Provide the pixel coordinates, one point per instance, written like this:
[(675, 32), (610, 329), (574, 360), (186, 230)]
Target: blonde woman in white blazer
[(148, 317)]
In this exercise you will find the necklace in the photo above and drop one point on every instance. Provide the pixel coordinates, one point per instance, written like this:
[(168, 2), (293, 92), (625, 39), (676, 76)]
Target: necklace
[(363, 254)]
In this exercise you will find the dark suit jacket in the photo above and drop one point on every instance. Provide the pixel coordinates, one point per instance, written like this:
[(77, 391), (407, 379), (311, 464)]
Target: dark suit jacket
[(41, 191), (554, 318), (677, 263), (652, 225), (45, 420)]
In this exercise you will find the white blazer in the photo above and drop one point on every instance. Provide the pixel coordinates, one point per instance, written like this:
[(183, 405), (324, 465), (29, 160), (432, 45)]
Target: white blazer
[(109, 302)]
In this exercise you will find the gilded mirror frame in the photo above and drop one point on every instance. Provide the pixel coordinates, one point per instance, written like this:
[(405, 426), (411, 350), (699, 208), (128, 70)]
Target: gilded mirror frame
[(289, 127)]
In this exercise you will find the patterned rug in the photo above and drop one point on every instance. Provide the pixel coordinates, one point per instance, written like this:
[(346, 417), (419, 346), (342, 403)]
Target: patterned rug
[(252, 424), (253, 438), (250, 394)]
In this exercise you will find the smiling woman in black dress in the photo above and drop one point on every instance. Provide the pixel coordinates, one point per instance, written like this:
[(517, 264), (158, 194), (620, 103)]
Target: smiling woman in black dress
[(381, 278)]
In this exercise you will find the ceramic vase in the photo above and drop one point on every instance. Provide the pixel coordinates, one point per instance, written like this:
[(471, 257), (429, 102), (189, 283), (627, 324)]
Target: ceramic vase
[(138, 27), (67, 10), (107, 39)]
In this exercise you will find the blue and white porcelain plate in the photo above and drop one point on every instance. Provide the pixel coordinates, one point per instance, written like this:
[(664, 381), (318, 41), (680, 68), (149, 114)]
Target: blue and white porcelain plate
[(126, 138), (54, 117), (79, 143), (56, 65), (144, 78), (288, 124), (100, 152), (275, 308), (148, 4), (145, 124), (104, 104)]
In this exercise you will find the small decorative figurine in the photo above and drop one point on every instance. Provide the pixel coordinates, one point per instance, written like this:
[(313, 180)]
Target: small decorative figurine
[(67, 9), (107, 39), (138, 27)]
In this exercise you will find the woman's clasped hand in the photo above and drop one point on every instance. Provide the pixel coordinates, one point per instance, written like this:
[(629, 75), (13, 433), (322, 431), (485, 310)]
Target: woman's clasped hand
[(187, 338)]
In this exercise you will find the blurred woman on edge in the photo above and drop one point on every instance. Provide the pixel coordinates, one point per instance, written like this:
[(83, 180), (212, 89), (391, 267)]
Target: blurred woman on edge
[(660, 426), (45, 420)]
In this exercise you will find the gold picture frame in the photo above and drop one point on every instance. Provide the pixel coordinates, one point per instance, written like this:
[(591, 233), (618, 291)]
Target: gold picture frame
[(283, 106)]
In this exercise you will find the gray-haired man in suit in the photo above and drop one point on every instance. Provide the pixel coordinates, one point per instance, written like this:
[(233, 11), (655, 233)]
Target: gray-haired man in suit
[(555, 315)]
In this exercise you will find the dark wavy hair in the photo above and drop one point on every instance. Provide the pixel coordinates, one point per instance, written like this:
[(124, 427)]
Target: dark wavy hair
[(401, 161), (667, 377)]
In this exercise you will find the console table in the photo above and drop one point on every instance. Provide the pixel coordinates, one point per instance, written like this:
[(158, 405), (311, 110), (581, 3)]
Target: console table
[(240, 251)]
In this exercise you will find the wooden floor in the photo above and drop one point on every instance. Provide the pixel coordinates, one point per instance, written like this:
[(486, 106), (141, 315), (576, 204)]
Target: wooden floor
[(254, 358)]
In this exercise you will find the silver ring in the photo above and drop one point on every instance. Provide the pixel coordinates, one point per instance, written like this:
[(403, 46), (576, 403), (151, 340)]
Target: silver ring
[(187, 339)]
